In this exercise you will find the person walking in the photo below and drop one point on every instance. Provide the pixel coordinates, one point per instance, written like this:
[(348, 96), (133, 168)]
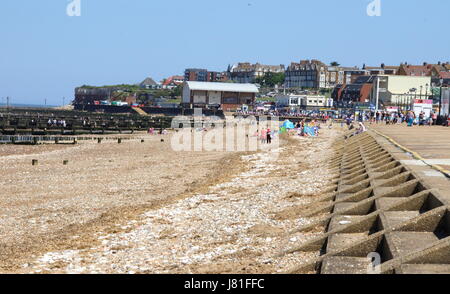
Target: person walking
[(263, 136), (269, 136), (434, 118), (410, 119)]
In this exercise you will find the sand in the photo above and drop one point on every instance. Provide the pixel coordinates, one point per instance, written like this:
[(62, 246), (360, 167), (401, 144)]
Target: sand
[(142, 208)]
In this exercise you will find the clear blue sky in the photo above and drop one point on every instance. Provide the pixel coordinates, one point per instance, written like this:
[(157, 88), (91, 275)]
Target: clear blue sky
[(45, 54)]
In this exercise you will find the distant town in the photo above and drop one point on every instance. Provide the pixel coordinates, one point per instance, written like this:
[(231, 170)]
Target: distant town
[(303, 85)]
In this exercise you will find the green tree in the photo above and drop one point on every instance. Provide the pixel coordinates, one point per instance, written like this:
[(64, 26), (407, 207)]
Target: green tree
[(334, 63), (177, 91), (271, 79)]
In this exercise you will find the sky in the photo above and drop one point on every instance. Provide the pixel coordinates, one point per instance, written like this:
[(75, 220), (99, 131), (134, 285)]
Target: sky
[(45, 53)]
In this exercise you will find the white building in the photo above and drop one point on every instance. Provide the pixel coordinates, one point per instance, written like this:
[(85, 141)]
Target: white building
[(303, 101), (229, 96), (395, 89), (289, 100)]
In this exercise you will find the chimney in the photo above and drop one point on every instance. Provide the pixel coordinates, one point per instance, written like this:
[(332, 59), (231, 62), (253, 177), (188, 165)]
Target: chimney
[(383, 65)]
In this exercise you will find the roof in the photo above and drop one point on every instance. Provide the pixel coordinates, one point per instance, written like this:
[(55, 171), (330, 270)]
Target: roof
[(148, 82), (444, 75), (307, 65), (177, 80), (222, 87), (364, 80), (417, 70), (248, 67)]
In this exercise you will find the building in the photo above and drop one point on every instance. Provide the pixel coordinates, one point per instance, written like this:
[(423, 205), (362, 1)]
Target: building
[(380, 70), (203, 75), (315, 102), (334, 76), (356, 93), (88, 95), (289, 100), (149, 83), (351, 74), (248, 73), (444, 75), (214, 76), (173, 82), (424, 70), (402, 89), (196, 75), (303, 101), (309, 74), (337, 92), (228, 96)]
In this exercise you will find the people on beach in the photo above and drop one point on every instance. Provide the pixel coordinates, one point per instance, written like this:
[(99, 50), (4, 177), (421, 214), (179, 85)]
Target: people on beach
[(268, 136), (263, 136)]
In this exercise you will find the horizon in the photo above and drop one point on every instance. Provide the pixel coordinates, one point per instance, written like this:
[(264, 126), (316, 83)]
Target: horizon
[(47, 53)]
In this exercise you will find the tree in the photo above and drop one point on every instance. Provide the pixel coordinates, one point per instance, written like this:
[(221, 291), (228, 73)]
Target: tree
[(271, 79), (334, 63), (177, 91)]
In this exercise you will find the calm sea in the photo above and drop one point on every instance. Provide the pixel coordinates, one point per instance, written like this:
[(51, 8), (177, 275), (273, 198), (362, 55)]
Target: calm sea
[(27, 105)]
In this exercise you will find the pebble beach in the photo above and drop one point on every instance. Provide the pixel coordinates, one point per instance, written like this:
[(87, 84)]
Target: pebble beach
[(152, 210)]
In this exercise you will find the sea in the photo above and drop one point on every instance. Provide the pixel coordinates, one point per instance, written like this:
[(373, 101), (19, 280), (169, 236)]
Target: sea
[(28, 105)]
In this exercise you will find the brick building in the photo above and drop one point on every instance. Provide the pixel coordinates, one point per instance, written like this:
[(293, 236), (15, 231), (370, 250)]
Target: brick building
[(310, 74), (248, 73)]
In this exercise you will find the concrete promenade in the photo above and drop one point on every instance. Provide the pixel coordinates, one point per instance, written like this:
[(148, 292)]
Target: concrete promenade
[(430, 150)]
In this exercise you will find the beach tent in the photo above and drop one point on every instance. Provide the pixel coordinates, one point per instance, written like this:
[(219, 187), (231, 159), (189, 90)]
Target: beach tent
[(288, 125)]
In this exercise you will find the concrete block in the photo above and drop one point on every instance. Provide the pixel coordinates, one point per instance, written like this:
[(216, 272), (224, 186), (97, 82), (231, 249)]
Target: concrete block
[(402, 243), (344, 265), (394, 218), (339, 241)]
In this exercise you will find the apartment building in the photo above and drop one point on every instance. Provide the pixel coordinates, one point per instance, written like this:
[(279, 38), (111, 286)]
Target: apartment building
[(358, 90), (203, 75), (334, 76), (246, 72), (196, 75), (311, 74), (380, 70)]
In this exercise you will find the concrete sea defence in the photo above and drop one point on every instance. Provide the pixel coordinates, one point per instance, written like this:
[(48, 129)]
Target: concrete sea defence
[(377, 207)]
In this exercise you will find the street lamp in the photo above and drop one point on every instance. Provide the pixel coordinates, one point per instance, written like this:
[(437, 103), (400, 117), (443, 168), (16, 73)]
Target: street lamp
[(413, 90), (441, 82), (405, 98)]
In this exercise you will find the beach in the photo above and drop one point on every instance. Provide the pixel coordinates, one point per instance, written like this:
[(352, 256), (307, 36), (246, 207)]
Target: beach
[(143, 208)]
